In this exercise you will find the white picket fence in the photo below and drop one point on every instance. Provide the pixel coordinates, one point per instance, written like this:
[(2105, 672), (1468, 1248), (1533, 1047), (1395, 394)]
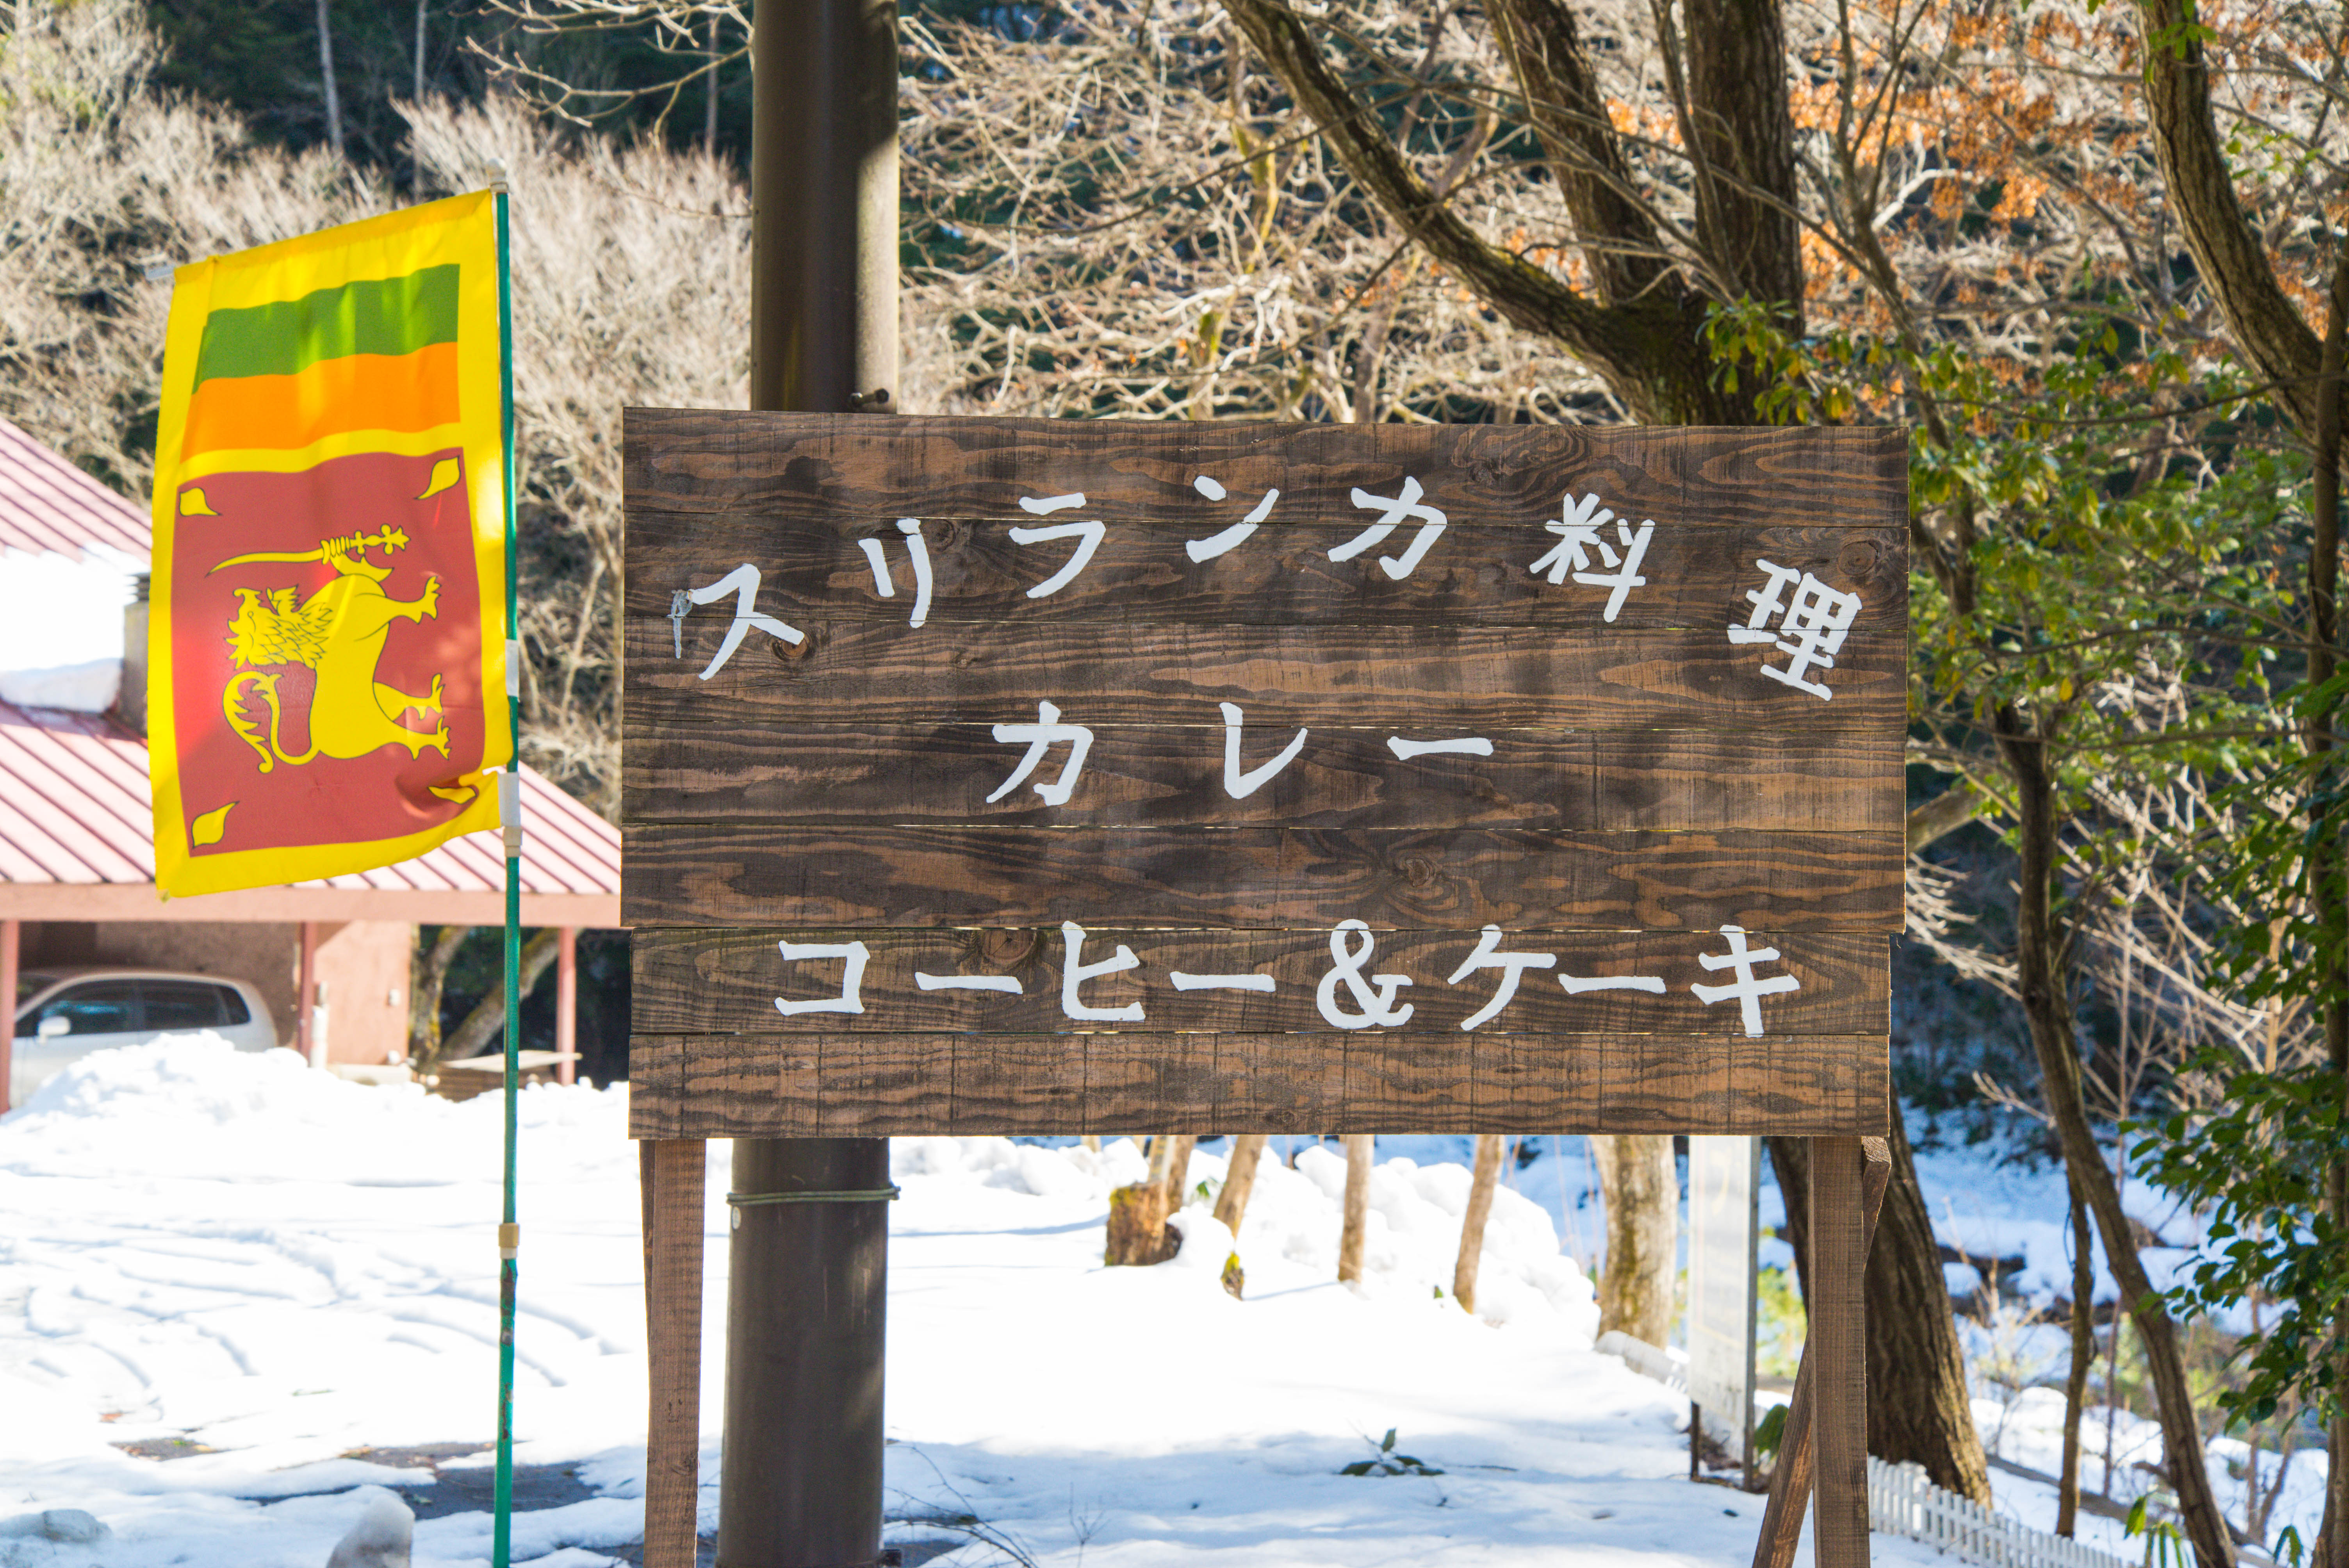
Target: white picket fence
[(1902, 1500)]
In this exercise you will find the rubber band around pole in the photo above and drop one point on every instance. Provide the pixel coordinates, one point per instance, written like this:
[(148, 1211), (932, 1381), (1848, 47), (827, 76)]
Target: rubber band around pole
[(860, 1195)]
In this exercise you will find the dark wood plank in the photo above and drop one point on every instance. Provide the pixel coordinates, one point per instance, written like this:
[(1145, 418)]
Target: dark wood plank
[(1171, 776), (1837, 1350), (695, 874), (1264, 1083), (1460, 677), (669, 1071), (673, 1174), (877, 1085), (820, 465), (1022, 1077), (1790, 1477), (690, 982), (1130, 1080), (875, 1094), (1280, 575)]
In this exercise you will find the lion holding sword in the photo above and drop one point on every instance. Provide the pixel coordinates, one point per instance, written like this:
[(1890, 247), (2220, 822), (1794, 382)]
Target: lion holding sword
[(340, 634)]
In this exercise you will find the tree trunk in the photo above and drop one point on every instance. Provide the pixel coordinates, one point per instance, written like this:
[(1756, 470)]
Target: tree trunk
[(1740, 130), (1640, 1185), (1648, 346), (2046, 1005), (1178, 1169), (420, 5), (2327, 875), (1239, 1179), (2231, 259), (1472, 1223), (1917, 1412), (1909, 1327), (709, 97), (428, 979), (1359, 1147), (2336, 1505), (472, 1036), (2084, 1356), (326, 77)]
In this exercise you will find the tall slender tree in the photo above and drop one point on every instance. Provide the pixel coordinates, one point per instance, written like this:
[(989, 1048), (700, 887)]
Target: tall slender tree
[(1628, 293), (332, 94), (1483, 1178), (1354, 1210)]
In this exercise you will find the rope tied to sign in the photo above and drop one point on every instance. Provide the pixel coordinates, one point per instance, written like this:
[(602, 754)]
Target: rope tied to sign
[(853, 1195)]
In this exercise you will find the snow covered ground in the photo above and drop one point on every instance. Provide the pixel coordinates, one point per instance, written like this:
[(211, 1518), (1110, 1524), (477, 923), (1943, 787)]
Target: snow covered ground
[(263, 1269)]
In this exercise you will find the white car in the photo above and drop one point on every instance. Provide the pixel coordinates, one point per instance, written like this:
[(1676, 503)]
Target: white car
[(63, 1014)]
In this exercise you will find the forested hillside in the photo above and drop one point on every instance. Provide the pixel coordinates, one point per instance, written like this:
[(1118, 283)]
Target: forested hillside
[(262, 58)]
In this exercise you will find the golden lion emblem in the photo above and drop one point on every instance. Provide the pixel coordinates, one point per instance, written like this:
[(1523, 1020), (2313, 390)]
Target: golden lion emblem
[(339, 633)]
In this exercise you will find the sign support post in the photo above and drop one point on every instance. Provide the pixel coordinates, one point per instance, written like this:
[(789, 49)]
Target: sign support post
[(801, 1481), (1842, 1335), (806, 1305)]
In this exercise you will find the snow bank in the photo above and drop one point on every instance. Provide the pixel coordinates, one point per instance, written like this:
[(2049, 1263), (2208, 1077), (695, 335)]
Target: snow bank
[(192, 1106), (78, 688), (1412, 1234), (55, 611)]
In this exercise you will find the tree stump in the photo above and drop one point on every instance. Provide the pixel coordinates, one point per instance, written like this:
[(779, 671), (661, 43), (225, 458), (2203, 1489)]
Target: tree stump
[(1138, 1231)]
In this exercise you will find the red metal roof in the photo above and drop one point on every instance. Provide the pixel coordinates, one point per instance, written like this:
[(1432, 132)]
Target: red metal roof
[(73, 809), (48, 506)]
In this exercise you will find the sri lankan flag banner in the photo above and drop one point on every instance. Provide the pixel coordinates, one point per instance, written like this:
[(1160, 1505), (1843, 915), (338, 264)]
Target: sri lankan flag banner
[(326, 631)]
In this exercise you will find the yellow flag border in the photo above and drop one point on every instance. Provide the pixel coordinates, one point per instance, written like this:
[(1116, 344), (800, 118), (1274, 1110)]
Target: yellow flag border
[(462, 229)]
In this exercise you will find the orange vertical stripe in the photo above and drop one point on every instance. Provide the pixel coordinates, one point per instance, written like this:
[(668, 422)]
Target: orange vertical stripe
[(358, 392)]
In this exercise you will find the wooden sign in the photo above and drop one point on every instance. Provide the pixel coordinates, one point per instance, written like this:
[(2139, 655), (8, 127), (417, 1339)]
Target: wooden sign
[(1041, 777)]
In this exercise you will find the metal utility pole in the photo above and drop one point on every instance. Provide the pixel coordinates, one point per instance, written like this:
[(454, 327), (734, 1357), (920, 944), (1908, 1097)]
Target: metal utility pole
[(809, 1224)]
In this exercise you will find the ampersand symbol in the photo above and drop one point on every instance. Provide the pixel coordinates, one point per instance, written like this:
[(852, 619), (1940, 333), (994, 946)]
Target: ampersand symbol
[(1377, 1008)]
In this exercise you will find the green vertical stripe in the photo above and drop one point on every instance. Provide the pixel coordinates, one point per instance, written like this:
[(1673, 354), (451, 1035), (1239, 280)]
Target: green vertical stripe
[(383, 315)]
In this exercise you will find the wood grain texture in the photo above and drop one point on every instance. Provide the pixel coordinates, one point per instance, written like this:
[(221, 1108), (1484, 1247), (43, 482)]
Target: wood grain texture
[(1280, 575), (674, 1174), (690, 982), (1790, 1477), (755, 875), (1103, 672), (1172, 776), (1648, 780), (847, 1084), (824, 465), (1836, 1349)]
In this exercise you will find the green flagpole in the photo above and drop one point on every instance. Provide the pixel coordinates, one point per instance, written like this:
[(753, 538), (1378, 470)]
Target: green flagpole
[(510, 814)]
